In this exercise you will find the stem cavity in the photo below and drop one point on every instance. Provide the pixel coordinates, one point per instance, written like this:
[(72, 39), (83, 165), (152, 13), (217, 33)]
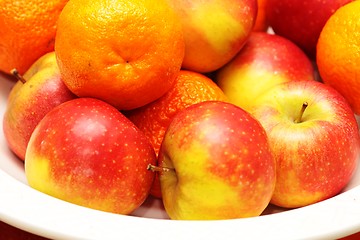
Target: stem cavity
[(17, 75), (301, 113), (159, 169)]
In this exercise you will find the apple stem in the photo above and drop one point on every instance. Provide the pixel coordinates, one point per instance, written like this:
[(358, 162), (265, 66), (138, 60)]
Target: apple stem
[(18, 76), (299, 118), (159, 169)]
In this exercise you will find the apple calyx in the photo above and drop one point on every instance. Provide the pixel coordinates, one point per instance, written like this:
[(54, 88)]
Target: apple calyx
[(159, 169), (303, 108), (17, 75)]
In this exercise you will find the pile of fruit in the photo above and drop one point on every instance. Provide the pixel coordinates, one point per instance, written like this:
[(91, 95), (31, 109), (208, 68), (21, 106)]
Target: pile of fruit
[(218, 108)]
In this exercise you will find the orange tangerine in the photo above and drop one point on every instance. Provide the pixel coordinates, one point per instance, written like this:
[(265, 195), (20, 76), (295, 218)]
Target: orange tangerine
[(338, 53), (124, 52), (27, 31)]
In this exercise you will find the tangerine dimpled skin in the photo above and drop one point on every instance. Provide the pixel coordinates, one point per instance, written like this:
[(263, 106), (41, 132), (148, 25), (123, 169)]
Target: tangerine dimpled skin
[(338, 53), (154, 118), (27, 30), (126, 53)]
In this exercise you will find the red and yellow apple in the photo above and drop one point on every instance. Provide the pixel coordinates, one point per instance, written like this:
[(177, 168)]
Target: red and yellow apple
[(29, 101), (215, 163), (86, 152), (214, 30), (265, 61), (314, 138)]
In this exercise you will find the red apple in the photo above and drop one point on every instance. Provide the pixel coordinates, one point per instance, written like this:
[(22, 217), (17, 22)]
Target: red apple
[(261, 23), (214, 30), (301, 21), (86, 152), (215, 163), (41, 90), (266, 60), (314, 138)]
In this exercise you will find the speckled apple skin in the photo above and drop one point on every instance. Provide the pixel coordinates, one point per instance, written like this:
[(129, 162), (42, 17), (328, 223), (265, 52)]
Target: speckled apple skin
[(86, 152), (265, 61), (317, 156), (29, 102), (223, 165)]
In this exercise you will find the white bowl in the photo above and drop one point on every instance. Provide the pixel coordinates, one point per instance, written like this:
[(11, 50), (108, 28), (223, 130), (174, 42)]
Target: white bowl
[(33, 211)]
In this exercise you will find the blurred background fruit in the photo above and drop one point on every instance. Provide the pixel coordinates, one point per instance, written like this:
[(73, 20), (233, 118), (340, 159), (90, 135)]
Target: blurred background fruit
[(261, 22), (126, 53), (27, 31), (338, 53), (301, 20), (214, 30)]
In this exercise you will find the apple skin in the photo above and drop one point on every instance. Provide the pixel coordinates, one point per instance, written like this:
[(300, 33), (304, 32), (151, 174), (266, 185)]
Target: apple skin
[(317, 156), (28, 102), (221, 166), (214, 30), (265, 61), (86, 152), (261, 23), (301, 21), (169, 104)]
